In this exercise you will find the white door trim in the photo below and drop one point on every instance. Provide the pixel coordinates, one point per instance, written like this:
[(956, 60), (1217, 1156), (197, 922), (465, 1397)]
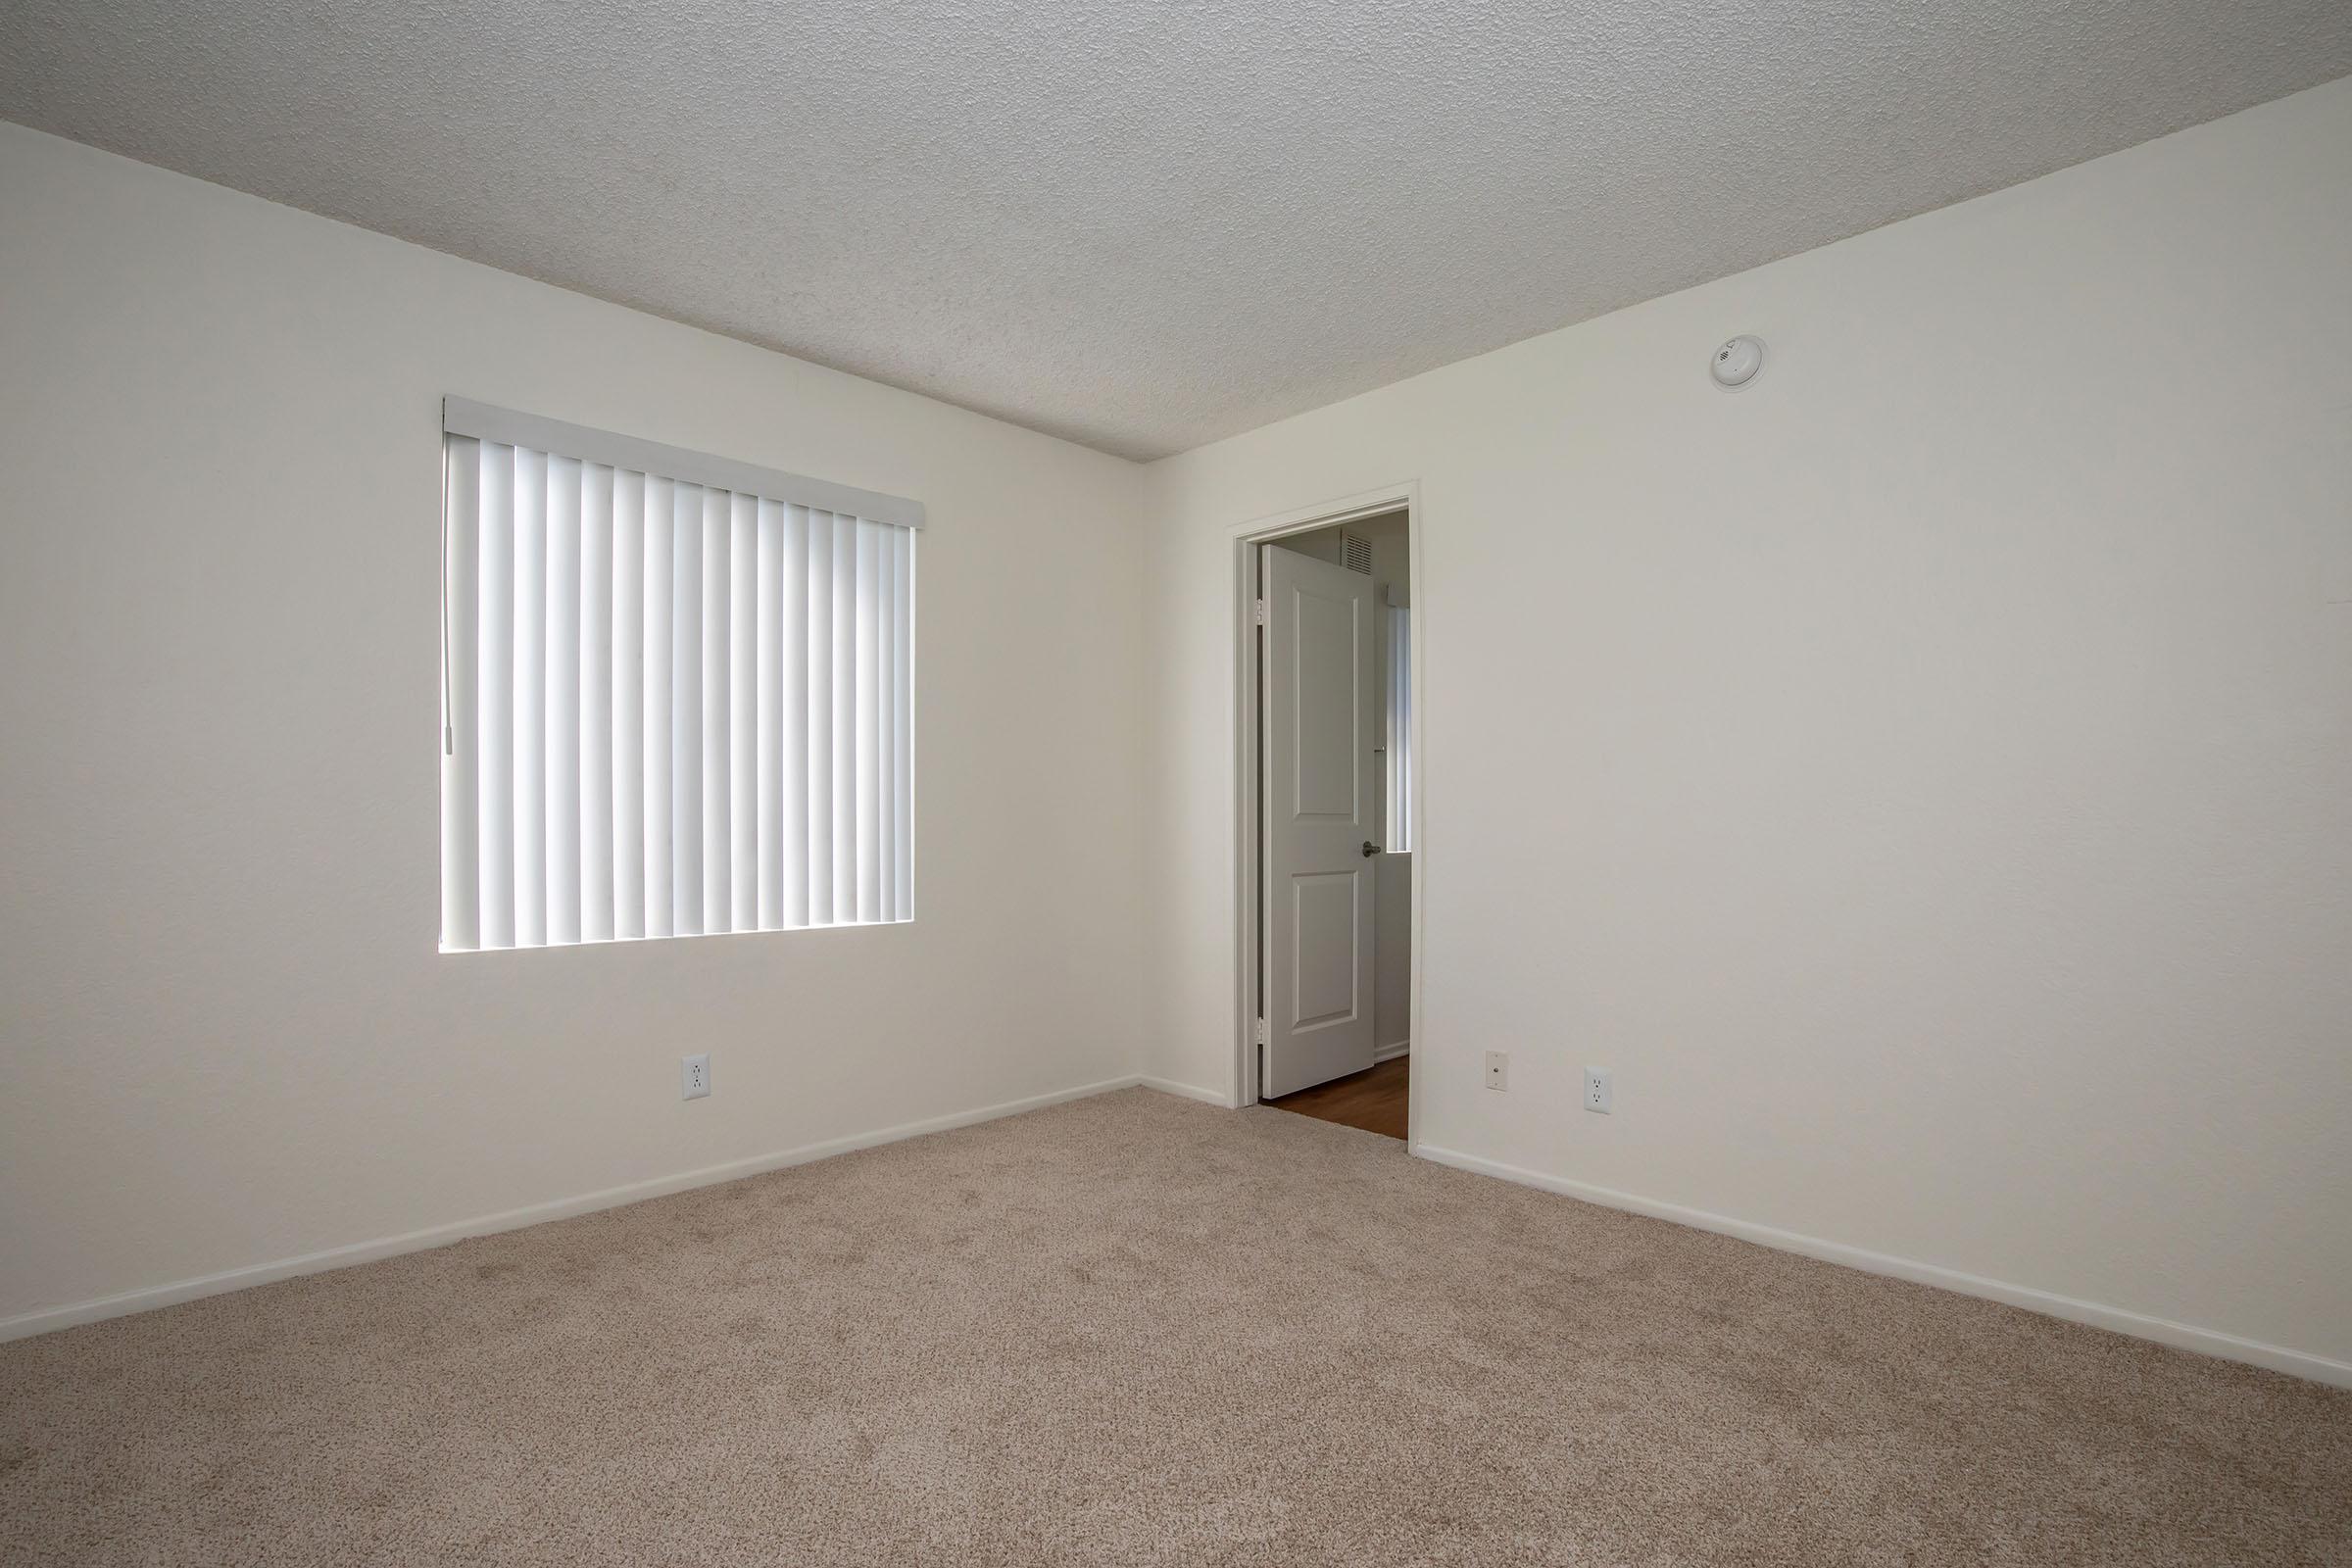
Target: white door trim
[(1246, 537)]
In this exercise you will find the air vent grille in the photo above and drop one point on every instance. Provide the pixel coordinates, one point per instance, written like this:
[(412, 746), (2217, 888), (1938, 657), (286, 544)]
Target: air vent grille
[(1359, 553)]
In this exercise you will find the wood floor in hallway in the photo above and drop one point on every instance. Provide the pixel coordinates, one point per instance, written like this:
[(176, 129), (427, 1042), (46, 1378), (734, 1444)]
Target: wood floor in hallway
[(1373, 1101)]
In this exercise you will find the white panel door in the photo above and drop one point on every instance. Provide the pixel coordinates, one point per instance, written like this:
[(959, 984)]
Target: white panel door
[(1318, 704)]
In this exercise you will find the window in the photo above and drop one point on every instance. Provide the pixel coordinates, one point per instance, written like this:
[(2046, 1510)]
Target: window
[(1400, 729), (678, 692)]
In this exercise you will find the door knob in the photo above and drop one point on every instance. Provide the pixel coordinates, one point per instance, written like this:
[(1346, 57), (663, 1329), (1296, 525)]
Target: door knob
[(1370, 849)]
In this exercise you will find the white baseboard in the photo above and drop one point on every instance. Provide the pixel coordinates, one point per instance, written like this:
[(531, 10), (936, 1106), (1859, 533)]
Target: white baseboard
[(1169, 1086), (1392, 1053), (42, 1321), (2180, 1335)]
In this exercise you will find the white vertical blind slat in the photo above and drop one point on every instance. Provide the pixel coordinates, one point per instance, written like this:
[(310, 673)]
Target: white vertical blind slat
[(530, 697), (743, 714), (686, 714), (460, 631), (595, 720), (661, 568), (845, 720), (792, 682), (869, 758), (886, 726), (768, 707), (563, 664), (819, 754), (902, 698), (675, 710), (719, 713), (628, 705), (494, 689)]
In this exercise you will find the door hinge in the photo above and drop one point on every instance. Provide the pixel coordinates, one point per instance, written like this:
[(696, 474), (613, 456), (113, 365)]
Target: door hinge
[(1259, 615), (1262, 1033)]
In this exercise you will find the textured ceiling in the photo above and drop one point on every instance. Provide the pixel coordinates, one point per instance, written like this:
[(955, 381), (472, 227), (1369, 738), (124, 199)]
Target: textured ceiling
[(1140, 225)]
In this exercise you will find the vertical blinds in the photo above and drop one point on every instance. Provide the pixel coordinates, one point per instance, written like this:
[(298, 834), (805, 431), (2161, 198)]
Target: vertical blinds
[(673, 707)]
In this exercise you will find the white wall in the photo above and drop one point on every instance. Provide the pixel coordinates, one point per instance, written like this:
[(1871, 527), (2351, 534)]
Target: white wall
[(1925, 777), (225, 1037)]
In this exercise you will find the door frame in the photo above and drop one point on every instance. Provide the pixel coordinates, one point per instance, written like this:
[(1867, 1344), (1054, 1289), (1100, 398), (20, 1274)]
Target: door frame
[(1404, 495)]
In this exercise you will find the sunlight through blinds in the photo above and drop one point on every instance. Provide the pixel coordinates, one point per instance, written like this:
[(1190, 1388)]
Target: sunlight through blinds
[(673, 706)]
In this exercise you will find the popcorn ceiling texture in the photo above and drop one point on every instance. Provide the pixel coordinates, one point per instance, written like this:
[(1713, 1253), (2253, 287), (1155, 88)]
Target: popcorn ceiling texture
[(1140, 226)]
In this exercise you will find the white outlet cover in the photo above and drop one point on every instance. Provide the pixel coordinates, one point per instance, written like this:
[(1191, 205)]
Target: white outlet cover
[(1499, 1070), (694, 1076), (1599, 1095)]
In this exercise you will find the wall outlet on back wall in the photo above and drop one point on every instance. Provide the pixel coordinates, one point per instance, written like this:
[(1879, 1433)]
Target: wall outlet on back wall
[(1599, 1095), (1499, 1070), (694, 1076)]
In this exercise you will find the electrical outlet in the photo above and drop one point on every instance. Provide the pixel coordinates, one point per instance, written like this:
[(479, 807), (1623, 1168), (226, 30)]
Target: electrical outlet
[(1499, 1068), (694, 1076), (1598, 1095)]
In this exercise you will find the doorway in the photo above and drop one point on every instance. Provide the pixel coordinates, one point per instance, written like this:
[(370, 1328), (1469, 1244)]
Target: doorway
[(1327, 782)]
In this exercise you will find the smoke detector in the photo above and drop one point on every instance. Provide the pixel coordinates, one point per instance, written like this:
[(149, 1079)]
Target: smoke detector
[(1737, 362)]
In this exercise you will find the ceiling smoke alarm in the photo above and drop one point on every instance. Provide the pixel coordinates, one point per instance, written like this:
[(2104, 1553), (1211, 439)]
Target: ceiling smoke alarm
[(1737, 362)]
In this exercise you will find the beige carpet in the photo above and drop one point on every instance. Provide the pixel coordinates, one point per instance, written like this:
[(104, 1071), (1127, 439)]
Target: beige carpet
[(1061, 1340)]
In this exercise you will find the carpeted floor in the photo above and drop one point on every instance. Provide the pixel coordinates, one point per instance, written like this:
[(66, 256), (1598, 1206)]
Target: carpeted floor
[(1061, 1339)]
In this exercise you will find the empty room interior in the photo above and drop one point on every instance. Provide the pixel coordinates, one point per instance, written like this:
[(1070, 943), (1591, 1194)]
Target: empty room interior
[(1247, 783)]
